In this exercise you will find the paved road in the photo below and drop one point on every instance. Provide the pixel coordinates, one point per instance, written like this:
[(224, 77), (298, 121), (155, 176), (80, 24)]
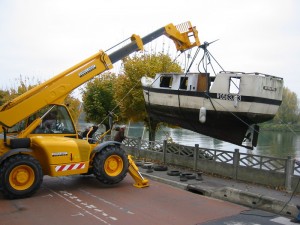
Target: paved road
[(83, 200)]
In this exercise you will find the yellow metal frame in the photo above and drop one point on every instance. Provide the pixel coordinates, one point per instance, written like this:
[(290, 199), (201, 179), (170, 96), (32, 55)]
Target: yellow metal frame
[(140, 181)]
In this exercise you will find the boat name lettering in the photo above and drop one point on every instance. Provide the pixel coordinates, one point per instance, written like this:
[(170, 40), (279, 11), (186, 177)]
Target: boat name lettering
[(228, 97), (267, 88), (87, 70)]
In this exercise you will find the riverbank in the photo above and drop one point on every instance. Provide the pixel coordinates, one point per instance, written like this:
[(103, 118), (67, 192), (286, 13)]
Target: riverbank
[(279, 127)]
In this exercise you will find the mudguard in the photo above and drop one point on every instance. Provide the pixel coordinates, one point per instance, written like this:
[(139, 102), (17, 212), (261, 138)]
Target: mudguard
[(14, 152), (101, 146)]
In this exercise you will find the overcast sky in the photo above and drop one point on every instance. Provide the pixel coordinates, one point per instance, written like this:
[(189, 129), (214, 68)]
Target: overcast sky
[(41, 38)]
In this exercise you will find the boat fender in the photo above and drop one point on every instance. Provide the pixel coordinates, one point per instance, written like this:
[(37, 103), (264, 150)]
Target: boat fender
[(235, 100), (202, 115)]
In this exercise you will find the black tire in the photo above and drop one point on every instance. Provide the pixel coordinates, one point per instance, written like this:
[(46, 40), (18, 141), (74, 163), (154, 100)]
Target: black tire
[(110, 165), (160, 168), (173, 173), (189, 176), (20, 176), (139, 163), (147, 165)]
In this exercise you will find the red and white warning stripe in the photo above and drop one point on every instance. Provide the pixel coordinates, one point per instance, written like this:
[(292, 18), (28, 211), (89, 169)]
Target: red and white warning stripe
[(75, 166)]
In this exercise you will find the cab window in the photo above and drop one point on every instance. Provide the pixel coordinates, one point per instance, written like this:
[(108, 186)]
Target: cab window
[(57, 120)]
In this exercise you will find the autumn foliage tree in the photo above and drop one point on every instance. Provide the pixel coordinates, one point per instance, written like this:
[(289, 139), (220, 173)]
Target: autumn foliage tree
[(128, 91), (105, 93), (24, 84), (73, 104), (288, 112), (98, 98)]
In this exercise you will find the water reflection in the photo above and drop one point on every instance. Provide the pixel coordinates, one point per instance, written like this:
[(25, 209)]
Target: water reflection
[(279, 144), (276, 144)]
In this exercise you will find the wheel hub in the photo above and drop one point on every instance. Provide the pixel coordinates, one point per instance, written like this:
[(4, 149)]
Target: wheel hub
[(21, 177), (113, 165)]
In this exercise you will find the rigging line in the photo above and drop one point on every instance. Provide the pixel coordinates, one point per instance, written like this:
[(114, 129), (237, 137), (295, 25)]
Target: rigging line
[(117, 105), (211, 102), (184, 80), (204, 57), (173, 62), (187, 71), (236, 116), (288, 127), (215, 60), (211, 65), (201, 62), (273, 214), (293, 194), (194, 58), (188, 59)]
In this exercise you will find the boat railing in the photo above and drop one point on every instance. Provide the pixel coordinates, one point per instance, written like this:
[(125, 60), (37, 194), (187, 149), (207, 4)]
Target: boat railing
[(251, 73)]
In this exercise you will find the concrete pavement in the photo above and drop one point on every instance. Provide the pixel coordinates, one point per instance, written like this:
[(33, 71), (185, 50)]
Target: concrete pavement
[(251, 195)]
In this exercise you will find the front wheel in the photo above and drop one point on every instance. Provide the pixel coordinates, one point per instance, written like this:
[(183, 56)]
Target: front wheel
[(110, 165), (20, 176)]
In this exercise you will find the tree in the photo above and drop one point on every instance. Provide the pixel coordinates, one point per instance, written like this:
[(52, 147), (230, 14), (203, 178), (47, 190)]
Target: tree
[(24, 84), (128, 91), (288, 112), (3, 96), (98, 98), (73, 106)]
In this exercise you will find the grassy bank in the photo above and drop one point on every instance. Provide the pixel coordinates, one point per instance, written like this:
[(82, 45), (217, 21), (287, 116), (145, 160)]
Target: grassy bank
[(279, 127)]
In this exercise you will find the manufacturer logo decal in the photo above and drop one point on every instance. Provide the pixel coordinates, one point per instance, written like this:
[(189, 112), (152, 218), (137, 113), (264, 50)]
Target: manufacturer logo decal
[(59, 154)]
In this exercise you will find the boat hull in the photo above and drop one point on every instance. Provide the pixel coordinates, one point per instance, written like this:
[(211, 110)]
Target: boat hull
[(212, 106), (221, 125)]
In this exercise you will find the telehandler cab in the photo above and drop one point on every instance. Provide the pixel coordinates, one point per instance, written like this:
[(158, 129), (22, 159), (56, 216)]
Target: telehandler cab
[(38, 136)]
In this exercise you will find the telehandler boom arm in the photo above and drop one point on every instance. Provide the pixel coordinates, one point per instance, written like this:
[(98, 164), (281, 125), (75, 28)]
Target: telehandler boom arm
[(57, 88)]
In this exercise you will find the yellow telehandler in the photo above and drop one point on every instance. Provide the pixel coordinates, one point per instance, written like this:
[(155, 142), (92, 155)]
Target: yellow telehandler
[(38, 136)]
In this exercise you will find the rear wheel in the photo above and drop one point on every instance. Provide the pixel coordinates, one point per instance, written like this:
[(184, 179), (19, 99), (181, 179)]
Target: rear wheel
[(20, 176), (110, 165)]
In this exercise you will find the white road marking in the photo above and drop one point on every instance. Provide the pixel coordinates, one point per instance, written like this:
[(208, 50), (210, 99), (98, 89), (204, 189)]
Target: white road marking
[(78, 214), (282, 220), (107, 202), (49, 195), (65, 195)]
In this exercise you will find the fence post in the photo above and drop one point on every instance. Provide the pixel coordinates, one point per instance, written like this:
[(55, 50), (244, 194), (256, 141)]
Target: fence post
[(289, 170), (196, 156), (139, 145), (236, 159), (164, 151)]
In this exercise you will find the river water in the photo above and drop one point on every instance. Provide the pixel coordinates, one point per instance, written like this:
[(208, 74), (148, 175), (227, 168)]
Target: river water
[(270, 143)]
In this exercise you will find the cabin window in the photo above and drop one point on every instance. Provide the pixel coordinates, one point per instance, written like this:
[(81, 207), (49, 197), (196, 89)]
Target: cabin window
[(166, 82), (57, 120), (183, 83), (234, 85)]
